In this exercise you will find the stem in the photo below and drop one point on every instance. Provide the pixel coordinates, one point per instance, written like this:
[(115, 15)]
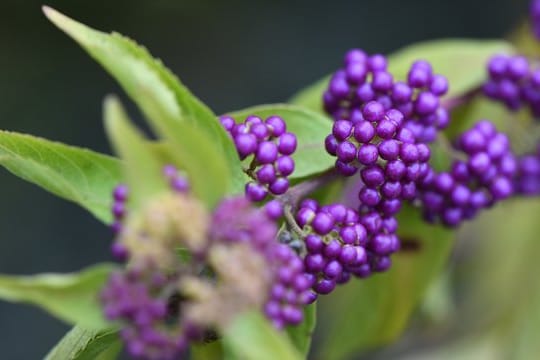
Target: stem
[(296, 193), (452, 103), (250, 171), (289, 217)]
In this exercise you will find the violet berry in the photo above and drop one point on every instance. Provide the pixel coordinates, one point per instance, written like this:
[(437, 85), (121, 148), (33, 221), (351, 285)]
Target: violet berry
[(270, 146)]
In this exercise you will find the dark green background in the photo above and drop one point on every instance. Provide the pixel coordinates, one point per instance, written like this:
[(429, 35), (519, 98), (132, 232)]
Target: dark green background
[(232, 54)]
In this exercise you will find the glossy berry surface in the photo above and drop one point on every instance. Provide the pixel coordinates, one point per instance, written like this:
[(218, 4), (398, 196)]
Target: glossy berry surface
[(269, 147), (341, 244), (479, 182), (388, 156), (365, 78), (514, 82)]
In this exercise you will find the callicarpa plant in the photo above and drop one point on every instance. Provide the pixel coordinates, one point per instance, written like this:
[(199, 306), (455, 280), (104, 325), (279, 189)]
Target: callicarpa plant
[(228, 230)]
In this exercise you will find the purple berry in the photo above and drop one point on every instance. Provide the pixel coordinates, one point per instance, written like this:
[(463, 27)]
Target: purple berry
[(322, 223), (255, 192), (279, 186), (331, 145), (246, 144), (382, 81), (285, 165), (287, 143), (266, 174), (355, 56), (121, 193), (274, 209), (277, 125), (377, 62), (227, 122), (342, 129), (439, 85), (401, 93), (346, 152), (345, 169), (324, 286), (367, 154), (373, 111), (364, 132), (426, 103), (267, 152), (356, 72)]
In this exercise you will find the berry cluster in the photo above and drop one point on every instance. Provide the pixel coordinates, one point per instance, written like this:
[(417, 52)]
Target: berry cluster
[(139, 298), (527, 180), (177, 182), (514, 82), (289, 292), (340, 243), (118, 210), (235, 220), (391, 160), (381, 129), (151, 301), (366, 78), (270, 146), (484, 178)]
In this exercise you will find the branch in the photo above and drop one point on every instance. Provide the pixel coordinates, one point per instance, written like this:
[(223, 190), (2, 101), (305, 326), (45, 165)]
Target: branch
[(454, 102), (298, 192)]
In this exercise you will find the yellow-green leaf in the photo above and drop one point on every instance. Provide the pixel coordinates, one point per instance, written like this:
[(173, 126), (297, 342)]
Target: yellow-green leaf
[(159, 94), (251, 337), (310, 128), (70, 297), (462, 61), (373, 312), (143, 171), (75, 174), (83, 344)]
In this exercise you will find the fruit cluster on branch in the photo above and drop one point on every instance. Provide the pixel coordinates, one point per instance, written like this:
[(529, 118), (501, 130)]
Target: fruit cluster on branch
[(276, 249)]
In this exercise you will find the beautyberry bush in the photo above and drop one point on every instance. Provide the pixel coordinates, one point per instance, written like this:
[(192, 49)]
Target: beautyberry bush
[(228, 231)]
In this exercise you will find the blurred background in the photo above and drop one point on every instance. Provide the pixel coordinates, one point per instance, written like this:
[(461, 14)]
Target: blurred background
[(232, 54)]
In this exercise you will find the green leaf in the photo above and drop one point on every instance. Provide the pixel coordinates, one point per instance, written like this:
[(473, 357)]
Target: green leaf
[(79, 175), (461, 61), (498, 308), (144, 160), (474, 347), (501, 278), (375, 311), (310, 129), (157, 92), (194, 152), (70, 297), (524, 40), (251, 337), (210, 351), (520, 126), (142, 167), (300, 335), (523, 339), (82, 344)]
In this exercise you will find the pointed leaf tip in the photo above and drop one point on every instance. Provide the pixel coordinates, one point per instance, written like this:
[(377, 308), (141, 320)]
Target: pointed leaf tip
[(165, 102), (75, 174), (141, 167), (77, 31), (46, 9), (51, 14), (111, 103)]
